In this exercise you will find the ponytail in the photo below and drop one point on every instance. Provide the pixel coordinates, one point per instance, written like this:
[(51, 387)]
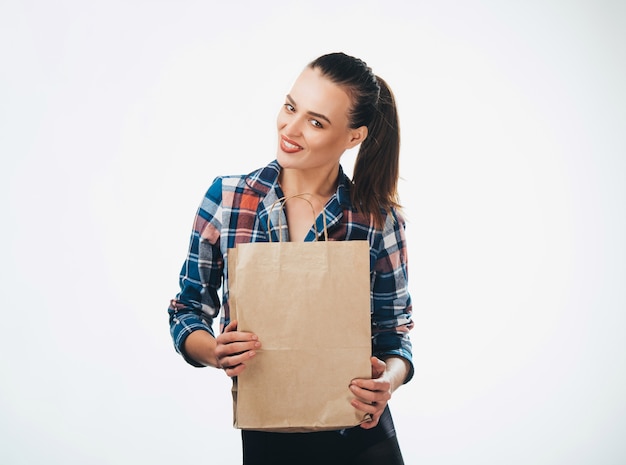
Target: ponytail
[(377, 165), (376, 169)]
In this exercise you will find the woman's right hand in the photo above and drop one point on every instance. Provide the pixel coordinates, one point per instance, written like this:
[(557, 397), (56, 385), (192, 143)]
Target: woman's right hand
[(234, 348)]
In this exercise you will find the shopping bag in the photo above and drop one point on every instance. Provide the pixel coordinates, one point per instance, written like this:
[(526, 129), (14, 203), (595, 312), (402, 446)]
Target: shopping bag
[(309, 304)]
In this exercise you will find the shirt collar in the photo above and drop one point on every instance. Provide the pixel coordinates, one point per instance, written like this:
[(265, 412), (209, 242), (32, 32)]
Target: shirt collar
[(264, 180)]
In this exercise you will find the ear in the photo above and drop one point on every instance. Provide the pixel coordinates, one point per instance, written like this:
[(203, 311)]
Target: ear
[(357, 136)]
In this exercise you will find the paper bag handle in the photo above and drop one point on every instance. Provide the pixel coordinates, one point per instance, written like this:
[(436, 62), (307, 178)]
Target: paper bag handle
[(282, 201)]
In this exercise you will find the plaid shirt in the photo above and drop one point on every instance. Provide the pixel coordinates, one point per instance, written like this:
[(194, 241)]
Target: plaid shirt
[(235, 210)]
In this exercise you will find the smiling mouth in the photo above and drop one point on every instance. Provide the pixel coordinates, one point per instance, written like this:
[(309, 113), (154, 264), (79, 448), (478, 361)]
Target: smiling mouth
[(289, 146)]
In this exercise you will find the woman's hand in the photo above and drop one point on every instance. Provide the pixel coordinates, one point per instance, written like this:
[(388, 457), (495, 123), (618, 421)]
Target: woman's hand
[(234, 348), (372, 395)]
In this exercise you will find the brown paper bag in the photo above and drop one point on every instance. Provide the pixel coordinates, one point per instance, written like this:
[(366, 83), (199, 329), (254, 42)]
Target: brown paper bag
[(309, 303)]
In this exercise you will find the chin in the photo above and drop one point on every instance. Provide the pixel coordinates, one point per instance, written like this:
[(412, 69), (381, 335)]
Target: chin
[(286, 160)]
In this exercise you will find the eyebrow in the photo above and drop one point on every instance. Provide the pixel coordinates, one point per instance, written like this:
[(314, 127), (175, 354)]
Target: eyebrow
[(312, 113)]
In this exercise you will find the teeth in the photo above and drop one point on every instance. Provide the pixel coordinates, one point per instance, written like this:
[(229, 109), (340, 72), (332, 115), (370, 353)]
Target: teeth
[(289, 145)]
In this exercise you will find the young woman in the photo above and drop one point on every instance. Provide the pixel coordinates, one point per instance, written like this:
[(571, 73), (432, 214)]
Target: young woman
[(335, 104)]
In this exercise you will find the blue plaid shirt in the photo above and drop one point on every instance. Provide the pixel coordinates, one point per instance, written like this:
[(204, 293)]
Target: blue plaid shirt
[(235, 209)]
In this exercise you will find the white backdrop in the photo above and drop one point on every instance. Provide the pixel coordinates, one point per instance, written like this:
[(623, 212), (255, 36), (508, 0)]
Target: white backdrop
[(115, 116)]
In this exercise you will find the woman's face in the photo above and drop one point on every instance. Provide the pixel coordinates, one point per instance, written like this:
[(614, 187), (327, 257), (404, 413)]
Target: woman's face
[(313, 126)]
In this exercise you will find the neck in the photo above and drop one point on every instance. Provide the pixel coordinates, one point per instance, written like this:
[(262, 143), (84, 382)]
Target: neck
[(318, 183)]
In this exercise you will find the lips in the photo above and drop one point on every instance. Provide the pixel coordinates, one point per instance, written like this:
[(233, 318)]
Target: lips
[(289, 146)]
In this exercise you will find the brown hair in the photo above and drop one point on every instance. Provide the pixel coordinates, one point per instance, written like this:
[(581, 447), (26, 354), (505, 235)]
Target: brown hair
[(377, 166)]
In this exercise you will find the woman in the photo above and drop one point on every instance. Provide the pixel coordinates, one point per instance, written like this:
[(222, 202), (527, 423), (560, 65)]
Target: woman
[(335, 104)]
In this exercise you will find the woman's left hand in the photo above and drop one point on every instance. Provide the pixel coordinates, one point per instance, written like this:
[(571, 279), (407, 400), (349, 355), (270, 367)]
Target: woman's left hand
[(373, 394)]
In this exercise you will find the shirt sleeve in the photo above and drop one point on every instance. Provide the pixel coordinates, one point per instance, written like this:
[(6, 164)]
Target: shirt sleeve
[(201, 276), (392, 308)]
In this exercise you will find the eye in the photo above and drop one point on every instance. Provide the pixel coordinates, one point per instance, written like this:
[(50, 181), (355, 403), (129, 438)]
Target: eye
[(316, 123), (289, 107)]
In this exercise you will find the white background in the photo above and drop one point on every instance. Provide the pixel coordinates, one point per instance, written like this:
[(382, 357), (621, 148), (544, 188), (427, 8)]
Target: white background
[(115, 116)]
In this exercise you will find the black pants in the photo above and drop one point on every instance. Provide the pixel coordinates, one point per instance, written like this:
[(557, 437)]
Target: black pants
[(347, 447)]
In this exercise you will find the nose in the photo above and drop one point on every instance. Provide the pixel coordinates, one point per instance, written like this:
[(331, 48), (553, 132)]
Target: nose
[(291, 125)]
